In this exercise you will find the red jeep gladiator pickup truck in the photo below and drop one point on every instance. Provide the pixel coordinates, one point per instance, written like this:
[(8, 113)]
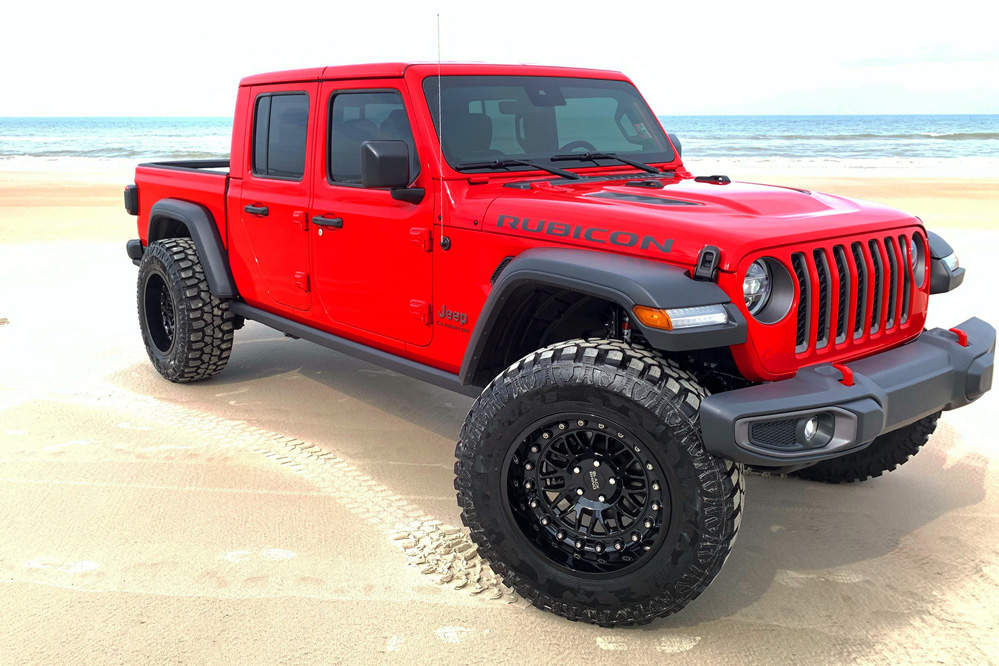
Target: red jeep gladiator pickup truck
[(635, 335)]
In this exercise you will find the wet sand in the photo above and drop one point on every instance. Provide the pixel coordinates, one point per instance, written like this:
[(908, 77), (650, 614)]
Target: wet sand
[(298, 507)]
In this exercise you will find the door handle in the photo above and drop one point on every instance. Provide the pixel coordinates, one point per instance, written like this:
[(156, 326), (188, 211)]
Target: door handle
[(256, 210), (332, 222)]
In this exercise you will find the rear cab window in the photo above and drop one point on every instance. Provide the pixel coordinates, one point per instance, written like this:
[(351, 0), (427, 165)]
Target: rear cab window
[(280, 132)]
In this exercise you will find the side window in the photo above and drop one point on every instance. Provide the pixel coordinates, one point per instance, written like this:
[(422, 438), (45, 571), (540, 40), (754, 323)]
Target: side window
[(356, 117), (280, 127)]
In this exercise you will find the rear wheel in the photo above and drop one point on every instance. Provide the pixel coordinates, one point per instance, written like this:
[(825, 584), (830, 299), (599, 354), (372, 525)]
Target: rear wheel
[(884, 454), (187, 331), (582, 478)]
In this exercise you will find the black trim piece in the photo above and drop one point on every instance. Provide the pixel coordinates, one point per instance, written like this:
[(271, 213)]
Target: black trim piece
[(939, 248), (707, 263), (890, 390), (201, 225), (384, 359), (135, 250), (942, 279), (202, 166), (642, 198), (715, 180), (626, 281)]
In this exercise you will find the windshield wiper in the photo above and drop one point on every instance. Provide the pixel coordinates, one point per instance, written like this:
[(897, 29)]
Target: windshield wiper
[(593, 157), (500, 164)]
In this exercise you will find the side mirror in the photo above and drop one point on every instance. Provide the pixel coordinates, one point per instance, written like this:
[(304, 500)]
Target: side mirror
[(384, 164), (676, 144)]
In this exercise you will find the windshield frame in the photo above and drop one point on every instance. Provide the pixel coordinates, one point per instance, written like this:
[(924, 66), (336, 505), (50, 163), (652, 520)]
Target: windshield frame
[(429, 88)]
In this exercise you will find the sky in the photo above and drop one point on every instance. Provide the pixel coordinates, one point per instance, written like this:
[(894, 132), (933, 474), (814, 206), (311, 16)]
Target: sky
[(778, 57)]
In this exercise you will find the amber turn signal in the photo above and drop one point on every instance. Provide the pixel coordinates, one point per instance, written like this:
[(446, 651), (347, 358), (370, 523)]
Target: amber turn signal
[(653, 317)]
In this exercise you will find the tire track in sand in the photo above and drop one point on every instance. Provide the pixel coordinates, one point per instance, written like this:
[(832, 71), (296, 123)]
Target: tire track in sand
[(441, 551)]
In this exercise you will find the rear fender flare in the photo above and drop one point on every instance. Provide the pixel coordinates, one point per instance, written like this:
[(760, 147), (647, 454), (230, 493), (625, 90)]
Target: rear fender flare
[(204, 232)]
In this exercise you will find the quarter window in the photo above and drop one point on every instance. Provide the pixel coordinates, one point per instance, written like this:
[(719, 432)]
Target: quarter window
[(280, 129)]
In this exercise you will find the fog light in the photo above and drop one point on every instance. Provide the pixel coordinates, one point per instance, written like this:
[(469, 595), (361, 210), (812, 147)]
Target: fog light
[(811, 427), (815, 431)]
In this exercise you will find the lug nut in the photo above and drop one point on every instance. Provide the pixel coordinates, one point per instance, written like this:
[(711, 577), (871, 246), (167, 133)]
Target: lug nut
[(648, 466), (546, 435), (655, 485), (612, 481), (601, 426), (535, 448), (579, 544), (544, 521), (601, 498), (635, 536), (579, 491), (596, 463), (528, 484), (599, 548), (648, 523), (534, 505), (655, 506), (618, 545), (561, 426), (580, 423), (576, 470), (528, 466), (560, 535), (620, 434)]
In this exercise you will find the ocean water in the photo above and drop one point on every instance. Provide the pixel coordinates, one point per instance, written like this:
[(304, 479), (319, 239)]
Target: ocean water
[(943, 144)]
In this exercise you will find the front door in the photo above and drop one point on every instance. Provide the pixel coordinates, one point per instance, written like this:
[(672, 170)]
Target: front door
[(275, 191), (373, 266)]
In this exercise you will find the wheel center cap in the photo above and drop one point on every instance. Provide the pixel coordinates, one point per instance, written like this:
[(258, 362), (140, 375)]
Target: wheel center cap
[(596, 479)]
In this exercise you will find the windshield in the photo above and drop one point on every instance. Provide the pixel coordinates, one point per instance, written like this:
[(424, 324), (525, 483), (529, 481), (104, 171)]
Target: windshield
[(495, 118)]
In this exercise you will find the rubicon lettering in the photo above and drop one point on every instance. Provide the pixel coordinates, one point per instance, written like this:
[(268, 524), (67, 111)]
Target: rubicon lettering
[(592, 234)]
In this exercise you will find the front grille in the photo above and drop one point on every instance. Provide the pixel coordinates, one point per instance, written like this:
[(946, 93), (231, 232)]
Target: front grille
[(780, 434), (852, 290)]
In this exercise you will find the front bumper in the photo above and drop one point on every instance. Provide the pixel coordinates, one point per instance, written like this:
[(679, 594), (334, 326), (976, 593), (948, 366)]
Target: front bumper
[(763, 425)]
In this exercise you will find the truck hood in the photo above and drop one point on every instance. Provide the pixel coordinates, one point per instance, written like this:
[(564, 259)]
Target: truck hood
[(675, 221)]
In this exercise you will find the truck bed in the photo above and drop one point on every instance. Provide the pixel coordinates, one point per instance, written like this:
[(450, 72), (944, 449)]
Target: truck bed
[(203, 182)]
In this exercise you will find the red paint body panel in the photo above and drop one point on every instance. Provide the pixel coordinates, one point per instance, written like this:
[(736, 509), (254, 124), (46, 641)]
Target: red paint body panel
[(374, 280)]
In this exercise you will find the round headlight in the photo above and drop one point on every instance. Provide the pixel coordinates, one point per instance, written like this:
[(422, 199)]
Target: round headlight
[(756, 286)]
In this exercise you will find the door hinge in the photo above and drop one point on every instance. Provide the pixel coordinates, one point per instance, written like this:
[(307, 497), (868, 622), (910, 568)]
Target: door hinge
[(301, 219), (302, 281), (420, 311), (422, 237)]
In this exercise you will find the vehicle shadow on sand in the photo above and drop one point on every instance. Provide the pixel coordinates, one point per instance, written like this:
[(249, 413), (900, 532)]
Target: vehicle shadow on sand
[(794, 533)]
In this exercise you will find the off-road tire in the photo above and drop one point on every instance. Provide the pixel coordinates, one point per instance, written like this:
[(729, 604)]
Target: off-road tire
[(653, 398), (884, 454), (195, 342)]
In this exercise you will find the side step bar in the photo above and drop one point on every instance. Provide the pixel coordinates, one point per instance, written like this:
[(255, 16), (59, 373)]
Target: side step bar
[(386, 360)]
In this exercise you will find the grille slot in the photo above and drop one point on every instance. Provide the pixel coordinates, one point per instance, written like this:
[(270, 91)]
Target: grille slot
[(804, 298), (843, 298), (903, 245), (858, 261), (892, 253), (780, 434), (822, 327), (878, 286)]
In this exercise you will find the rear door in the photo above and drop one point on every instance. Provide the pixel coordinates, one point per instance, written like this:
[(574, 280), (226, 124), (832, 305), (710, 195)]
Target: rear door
[(273, 208), (373, 270)]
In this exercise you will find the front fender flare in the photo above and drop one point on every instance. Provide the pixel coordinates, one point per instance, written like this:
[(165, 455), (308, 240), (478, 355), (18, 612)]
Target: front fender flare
[(626, 281)]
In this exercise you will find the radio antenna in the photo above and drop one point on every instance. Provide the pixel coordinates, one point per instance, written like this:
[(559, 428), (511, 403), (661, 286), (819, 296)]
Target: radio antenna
[(440, 128)]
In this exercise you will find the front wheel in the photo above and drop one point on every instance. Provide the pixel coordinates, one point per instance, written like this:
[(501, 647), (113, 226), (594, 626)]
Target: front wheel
[(582, 478)]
